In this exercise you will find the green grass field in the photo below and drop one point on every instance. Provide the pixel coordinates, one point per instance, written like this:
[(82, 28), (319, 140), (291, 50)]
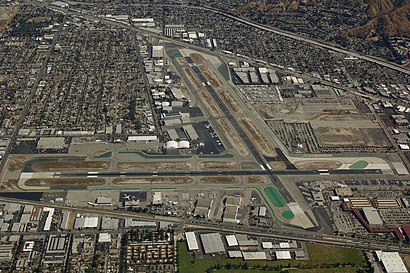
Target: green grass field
[(275, 197), (334, 255), (314, 270), (361, 164), (319, 255), (288, 215)]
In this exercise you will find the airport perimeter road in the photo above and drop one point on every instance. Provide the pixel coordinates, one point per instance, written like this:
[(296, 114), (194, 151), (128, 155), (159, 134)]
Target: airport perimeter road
[(191, 224), (218, 173)]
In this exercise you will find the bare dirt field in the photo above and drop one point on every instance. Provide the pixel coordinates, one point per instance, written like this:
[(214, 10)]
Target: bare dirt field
[(259, 139), (154, 180), (256, 180), (6, 15), (49, 182), (8, 185), (233, 137), (351, 136), (218, 165), (316, 165), (14, 164), (51, 166), (218, 180), (277, 165), (156, 166)]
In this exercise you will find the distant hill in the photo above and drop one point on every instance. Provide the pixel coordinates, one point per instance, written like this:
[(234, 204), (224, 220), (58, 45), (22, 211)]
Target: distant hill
[(387, 18)]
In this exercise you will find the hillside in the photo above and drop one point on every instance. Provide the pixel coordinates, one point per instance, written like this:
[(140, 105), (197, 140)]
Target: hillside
[(387, 18)]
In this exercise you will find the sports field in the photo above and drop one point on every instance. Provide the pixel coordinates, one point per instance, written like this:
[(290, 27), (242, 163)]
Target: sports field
[(275, 197)]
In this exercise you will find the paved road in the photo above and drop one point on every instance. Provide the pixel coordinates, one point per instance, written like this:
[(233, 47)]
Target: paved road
[(30, 98), (191, 224), (306, 39)]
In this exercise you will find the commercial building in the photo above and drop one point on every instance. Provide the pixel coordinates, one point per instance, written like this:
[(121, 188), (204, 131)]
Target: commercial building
[(254, 255), (391, 262), (157, 51), (372, 216), (283, 255), (191, 241), (231, 240), (212, 243)]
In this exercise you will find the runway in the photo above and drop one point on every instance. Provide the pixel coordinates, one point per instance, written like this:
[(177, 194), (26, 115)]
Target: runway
[(216, 173)]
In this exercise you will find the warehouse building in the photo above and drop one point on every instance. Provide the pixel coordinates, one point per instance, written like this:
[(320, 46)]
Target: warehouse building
[(391, 262), (231, 240), (254, 255), (283, 255), (191, 241), (372, 216), (212, 243)]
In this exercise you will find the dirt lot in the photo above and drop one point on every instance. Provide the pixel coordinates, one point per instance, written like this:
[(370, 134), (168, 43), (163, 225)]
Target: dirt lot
[(49, 182), (155, 166), (351, 136), (6, 15), (259, 139), (277, 165), (52, 166), (218, 165), (154, 180), (218, 180), (8, 185), (14, 164), (256, 180), (316, 165), (233, 137)]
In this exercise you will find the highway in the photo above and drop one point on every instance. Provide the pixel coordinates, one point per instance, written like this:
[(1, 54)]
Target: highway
[(306, 39), (192, 224), (288, 34), (217, 173)]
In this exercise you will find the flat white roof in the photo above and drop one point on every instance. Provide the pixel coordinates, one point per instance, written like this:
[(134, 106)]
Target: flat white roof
[(191, 241), (235, 254), (256, 255), (231, 240), (91, 222), (212, 243), (283, 255), (372, 216), (267, 245), (284, 245), (104, 238), (392, 262)]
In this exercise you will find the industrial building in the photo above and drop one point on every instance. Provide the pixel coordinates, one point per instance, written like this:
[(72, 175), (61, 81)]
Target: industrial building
[(231, 240), (254, 255), (212, 243), (372, 216), (191, 241), (391, 262), (283, 255)]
